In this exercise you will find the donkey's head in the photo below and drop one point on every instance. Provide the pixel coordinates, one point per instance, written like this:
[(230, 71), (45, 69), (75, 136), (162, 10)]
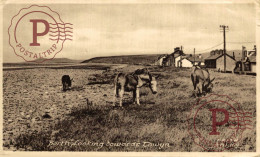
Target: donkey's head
[(147, 78), (153, 85), (209, 86), (69, 83)]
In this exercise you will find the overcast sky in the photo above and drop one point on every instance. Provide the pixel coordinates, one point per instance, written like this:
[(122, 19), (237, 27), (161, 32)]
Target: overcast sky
[(124, 29)]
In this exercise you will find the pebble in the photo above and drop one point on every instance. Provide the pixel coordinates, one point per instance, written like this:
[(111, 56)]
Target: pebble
[(46, 115), (247, 148), (22, 113), (10, 120)]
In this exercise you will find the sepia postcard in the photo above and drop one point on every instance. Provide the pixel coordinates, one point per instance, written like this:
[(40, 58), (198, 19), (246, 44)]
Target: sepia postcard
[(129, 78)]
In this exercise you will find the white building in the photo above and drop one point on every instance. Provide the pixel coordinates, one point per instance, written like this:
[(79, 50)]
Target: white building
[(187, 61)]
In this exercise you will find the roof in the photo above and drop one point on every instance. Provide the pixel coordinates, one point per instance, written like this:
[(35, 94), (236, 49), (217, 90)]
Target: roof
[(162, 56), (186, 59), (197, 59), (213, 57), (216, 56), (177, 53)]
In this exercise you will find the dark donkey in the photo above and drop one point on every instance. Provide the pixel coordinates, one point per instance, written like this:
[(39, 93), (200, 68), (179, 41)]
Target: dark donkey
[(201, 80), (66, 82), (132, 83)]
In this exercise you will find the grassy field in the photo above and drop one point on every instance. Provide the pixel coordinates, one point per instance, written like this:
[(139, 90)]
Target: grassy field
[(38, 115)]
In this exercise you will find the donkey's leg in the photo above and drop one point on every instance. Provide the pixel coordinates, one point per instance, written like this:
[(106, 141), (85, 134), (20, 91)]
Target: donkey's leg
[(63, 85), (195, 84), (195, 91), (66, 87), (121, 94), (137, 96), (115, 95), (134, 96), (200, 88), (204, 92)]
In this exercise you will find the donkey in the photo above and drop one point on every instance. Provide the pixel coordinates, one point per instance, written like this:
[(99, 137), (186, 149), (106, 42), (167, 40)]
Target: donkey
[(132, 83), (66, 82), (201, 80)]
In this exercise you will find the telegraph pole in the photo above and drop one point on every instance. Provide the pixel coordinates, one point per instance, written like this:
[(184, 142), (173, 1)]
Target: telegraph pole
[(194, 57), (224, 36)]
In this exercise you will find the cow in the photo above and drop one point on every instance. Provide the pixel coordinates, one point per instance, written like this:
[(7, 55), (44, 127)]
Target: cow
[(201, 81), (66, 82), (132, 82)]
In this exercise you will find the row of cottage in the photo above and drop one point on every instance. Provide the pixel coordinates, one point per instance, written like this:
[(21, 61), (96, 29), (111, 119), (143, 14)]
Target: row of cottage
[(241, 62)]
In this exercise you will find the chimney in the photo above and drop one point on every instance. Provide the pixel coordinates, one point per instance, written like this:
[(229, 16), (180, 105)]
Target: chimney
[(234, 55), (220, 51), (212, 53), (217, 51)]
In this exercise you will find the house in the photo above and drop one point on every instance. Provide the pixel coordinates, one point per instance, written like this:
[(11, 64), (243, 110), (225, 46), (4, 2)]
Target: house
[(178, 60), (189, 60), (160, 59), (252, 60), (167, 61), (178, 53), (216, 61), (182, 61), (251, 55), (247, 63), (170, 60), (198, 60)]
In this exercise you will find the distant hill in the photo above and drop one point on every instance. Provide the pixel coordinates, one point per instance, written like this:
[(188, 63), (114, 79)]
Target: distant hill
[(38, 62), (146, 59), (128, 59), (57, 60)]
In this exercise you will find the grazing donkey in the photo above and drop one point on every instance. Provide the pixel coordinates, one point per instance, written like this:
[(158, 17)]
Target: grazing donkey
[(132, 83), (66, 82), (201, 80)]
